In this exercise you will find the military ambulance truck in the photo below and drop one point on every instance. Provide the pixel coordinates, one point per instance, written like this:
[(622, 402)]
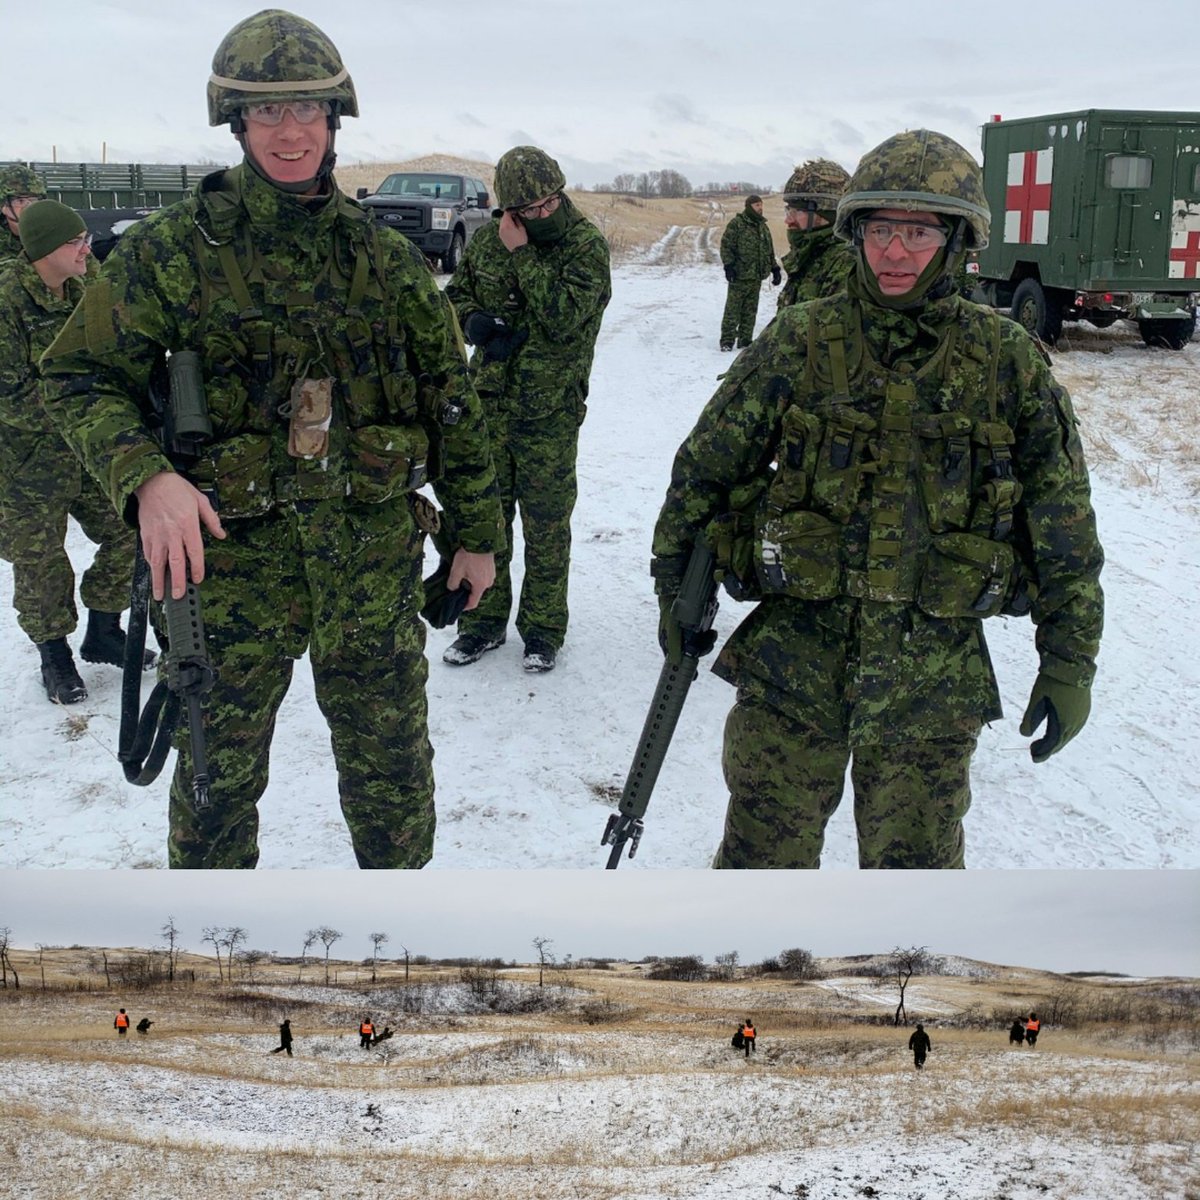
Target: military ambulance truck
[(112, 196), (1096, 217)]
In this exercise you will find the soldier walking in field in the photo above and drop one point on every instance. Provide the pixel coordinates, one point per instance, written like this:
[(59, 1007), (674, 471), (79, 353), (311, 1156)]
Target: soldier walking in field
[(905, 465), (748, 256), (285, 1038), (818, 264), (920, 1045), (41, 481), (336, 384), (1032, 1028), (531, 292), (20, 186)]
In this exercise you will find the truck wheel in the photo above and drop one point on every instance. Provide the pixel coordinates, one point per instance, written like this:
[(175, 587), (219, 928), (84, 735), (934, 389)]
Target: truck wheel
[(452, 256), (1173, 333), (1037, 312)]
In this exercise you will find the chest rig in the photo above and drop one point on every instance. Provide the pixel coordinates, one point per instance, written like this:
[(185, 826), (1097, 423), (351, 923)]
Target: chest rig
[(312, 389), (894, 484)]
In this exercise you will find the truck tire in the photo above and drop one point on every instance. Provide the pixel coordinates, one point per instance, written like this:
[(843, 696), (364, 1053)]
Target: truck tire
[(1174, 333), (451, 258), (1037, 312)]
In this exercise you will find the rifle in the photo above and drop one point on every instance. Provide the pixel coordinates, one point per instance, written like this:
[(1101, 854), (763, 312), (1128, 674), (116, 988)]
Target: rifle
[(695, 608), (145, 740)]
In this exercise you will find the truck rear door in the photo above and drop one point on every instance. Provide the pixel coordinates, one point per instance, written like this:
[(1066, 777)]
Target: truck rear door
[(1183, 256)]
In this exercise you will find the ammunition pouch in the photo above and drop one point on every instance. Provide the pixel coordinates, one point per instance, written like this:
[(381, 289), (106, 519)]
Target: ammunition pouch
[(965, 576), (386, 460), (730, 536), (799, 554), (236, 474)]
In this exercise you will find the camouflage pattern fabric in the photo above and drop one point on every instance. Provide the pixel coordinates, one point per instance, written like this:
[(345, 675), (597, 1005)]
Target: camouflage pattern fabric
[(524, 175), (785, 781), (819, 180), (321, 551), (16, 179), (535, 399), (746, 246), (740, 312), (10, 243), (817, 266), (868, 665), (41, 481)]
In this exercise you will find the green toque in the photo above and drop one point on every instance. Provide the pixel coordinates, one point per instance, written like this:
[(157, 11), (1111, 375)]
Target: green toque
[(46, 225)]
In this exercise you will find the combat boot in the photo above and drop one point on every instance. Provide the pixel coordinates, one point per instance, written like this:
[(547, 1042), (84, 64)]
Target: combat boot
[(540, 656), (104, 641), (61, 680), (471, 647)]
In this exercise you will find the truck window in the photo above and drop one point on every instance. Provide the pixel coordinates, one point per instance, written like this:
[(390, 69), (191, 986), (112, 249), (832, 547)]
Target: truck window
[(1196, 180), (1129, 171)]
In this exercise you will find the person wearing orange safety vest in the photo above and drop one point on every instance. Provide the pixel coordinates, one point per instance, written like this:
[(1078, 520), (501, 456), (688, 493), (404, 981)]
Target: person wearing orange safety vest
[(366, 1031), (1031, 1029), (121, 1023), (748, 1036)]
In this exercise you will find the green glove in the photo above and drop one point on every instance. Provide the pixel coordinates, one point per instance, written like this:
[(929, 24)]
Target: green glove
[(1063, 706)]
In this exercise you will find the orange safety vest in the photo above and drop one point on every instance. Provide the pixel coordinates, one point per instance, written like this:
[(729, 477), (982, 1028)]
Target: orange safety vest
[(122, 1021), (366, 1027), (748, 1031), (1034, 1025)]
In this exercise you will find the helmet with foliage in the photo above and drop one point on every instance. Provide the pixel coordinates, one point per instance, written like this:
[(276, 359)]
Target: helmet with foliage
[(272, 57), (525, 175), (16, 179), (921, 171), (817, 183)]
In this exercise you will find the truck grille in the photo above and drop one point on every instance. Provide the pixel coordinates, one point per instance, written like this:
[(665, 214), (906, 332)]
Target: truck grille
[(405, 218)]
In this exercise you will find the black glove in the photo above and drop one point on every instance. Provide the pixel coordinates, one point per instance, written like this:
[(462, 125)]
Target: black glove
[(730, 271), (675, 641), (480, 327), (776, 276), (443, 607), (502, 344)]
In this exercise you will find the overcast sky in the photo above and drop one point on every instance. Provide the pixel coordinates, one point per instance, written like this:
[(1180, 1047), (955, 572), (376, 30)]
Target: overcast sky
[(1135, 922), (715, 90)]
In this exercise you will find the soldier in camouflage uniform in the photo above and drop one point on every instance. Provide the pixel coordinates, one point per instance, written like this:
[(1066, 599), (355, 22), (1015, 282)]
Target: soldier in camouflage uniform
[(748, 256), (907, 465), (336, 383), (818, 264), (531, 291), (20, 186), (40, 479)]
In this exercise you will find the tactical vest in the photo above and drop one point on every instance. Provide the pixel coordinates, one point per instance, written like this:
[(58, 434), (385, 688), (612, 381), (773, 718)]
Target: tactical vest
[(366, 424), (894, 484)]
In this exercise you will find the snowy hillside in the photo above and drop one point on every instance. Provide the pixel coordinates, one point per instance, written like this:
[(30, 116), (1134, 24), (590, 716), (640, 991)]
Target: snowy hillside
[(528, 768)]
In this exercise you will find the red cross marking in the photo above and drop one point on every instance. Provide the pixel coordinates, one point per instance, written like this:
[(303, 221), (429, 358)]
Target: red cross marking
[(1027, 196), (1189, 255)]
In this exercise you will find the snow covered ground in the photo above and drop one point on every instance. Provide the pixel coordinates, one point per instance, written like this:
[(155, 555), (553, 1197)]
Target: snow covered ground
[(528, 767)]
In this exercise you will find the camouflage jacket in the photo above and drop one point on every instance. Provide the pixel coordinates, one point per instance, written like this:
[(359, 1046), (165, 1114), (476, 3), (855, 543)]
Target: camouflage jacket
[(817, 267), (879, 482), (555, 295), (10, 243), (271, 290), (746, 245)]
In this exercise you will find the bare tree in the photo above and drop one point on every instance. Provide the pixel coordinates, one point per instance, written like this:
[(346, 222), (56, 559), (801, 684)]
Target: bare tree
[(542, 946), (251, 958), (673, 185), (405, 949), (231, 938), (310, 940), (904, 964), (327, 936), (171, 933), (726, 964), (6, 964), (212, 934), (797, 964), (624, 182), (377, 940)]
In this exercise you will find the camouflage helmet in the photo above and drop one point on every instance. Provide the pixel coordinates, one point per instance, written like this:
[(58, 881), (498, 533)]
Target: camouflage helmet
[(525, 174), (272, 57), (818, 182), (16, 179), (922, 171)]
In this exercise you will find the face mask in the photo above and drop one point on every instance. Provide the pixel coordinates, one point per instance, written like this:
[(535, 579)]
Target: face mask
[(543, 231)]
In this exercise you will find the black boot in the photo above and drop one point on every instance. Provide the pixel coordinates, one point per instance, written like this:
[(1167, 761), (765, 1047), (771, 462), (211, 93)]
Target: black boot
[(104, 641), (63, 685)]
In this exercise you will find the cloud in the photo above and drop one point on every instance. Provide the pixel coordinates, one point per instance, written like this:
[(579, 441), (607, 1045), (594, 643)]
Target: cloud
[(677, 108)]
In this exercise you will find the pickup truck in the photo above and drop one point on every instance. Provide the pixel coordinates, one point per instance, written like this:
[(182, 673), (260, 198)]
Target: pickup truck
[(438, 212)]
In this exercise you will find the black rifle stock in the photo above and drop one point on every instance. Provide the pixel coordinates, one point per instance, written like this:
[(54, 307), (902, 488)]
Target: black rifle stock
[(144, 740), (695, 609)]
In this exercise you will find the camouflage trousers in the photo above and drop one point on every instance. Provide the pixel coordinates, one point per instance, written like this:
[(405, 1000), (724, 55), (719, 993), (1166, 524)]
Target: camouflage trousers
[(741, 309), (34, 505), (535, 468), (343, 580), (785, 781)]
